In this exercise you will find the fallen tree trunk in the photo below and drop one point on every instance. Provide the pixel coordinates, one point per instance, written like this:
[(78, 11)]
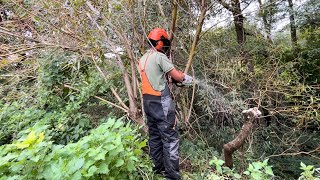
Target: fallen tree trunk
[(250, 116)]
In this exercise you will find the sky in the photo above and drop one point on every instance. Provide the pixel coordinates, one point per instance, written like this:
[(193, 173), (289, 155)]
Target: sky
[(250, 12)]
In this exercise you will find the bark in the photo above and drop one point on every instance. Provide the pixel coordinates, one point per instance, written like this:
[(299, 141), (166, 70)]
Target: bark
[(174, 19), (238, 22), (235, 144), (250, 116), (197, 35), (173, 27), (238, 18), (293, 29), (265, 17), (235, 8), (133, 62)]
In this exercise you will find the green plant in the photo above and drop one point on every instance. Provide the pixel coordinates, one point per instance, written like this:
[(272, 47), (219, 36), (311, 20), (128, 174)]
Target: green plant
[(308, 172), (113, 151), (222, 172), (15, 117), (256, 170), (218, 164), (259, 170)]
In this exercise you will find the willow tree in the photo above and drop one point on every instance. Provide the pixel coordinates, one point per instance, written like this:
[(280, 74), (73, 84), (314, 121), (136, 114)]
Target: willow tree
[(110, 33)]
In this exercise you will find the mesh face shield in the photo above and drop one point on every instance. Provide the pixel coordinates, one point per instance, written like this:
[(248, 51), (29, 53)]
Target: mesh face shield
[(166, 45)]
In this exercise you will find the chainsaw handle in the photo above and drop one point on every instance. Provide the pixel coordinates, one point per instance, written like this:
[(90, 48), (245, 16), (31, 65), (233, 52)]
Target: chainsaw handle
[(179, 84)]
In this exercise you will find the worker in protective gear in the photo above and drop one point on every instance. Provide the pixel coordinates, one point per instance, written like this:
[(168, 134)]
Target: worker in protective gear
[(158, 104)]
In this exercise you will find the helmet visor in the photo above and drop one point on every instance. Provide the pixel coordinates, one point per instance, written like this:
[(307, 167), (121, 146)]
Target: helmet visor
[(166, 45)]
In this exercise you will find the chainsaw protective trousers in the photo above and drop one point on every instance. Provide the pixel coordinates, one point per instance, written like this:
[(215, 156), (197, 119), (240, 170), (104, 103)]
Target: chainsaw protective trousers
[(163, 138)]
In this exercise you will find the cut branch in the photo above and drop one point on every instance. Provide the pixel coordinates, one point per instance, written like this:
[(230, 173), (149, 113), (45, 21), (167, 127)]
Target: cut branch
[(250, 116)]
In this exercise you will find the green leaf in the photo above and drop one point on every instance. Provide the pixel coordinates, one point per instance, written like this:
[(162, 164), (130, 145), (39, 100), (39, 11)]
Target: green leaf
[(256, 175), (79, 163), (110, 122), (142, 144), (309, 167), (16, 167), (220, 162), (137, 152), (265, 162), (100, 156), (77, 176), (269, 171), (117, 124), (257, 165), (250, 168), (237, 176), (131, 167), (119, 162), (91, 171), (35, 158), (7, 158), (219, 169), (103, 169), (93, 152)]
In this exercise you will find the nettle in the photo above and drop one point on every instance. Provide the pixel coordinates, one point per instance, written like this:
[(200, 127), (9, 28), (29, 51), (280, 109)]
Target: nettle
[(111, 151), (256, 170)]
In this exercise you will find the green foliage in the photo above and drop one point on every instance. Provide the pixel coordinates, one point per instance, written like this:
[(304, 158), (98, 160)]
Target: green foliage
[(198, 154), (287, 86), (15, 117), (310, 55), (112, 150), (256, 170), (58, 68), (67, 124), (218, 164), (308, 172), (259, 170)]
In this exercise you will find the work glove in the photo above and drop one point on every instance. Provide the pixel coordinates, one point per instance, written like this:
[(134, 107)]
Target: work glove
[(187, 80)]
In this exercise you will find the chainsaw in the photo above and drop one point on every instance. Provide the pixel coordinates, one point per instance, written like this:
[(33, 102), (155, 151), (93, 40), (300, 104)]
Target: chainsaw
[(187, 81)]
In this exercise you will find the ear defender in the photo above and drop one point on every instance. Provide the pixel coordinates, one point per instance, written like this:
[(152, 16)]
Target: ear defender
[(159, 45)]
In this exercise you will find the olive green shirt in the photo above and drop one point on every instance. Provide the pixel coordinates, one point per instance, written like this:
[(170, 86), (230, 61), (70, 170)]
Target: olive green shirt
[(157, 66)]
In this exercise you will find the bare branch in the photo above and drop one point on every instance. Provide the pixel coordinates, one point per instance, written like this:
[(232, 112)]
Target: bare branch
[(106, 101)]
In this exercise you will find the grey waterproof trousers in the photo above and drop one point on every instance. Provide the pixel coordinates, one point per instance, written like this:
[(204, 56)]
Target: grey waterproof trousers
[(163, 138)]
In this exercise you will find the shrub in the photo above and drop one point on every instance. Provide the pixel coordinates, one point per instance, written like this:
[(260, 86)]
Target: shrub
[(112, 151)]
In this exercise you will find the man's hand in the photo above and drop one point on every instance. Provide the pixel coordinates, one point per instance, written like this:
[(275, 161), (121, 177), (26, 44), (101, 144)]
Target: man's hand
[(187, 80), (177, 76)]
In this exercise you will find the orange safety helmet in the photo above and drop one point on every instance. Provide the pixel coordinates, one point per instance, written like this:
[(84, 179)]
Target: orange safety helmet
[(159, 39)]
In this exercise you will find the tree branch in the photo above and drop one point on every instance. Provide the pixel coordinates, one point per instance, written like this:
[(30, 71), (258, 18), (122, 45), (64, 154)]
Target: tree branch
[(97, 97), (196, 38), (250, 116)]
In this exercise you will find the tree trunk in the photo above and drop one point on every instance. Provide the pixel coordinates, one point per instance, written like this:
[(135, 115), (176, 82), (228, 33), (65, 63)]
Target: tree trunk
[(265, 16), (197, 35), (238, 22), (173, 28), (235, 8), (293, 29)]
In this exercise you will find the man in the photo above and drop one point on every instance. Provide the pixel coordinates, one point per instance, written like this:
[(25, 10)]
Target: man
[(158, 104)]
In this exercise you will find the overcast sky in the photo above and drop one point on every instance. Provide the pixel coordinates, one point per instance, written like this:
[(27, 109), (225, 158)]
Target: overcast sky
[(251, 13)]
